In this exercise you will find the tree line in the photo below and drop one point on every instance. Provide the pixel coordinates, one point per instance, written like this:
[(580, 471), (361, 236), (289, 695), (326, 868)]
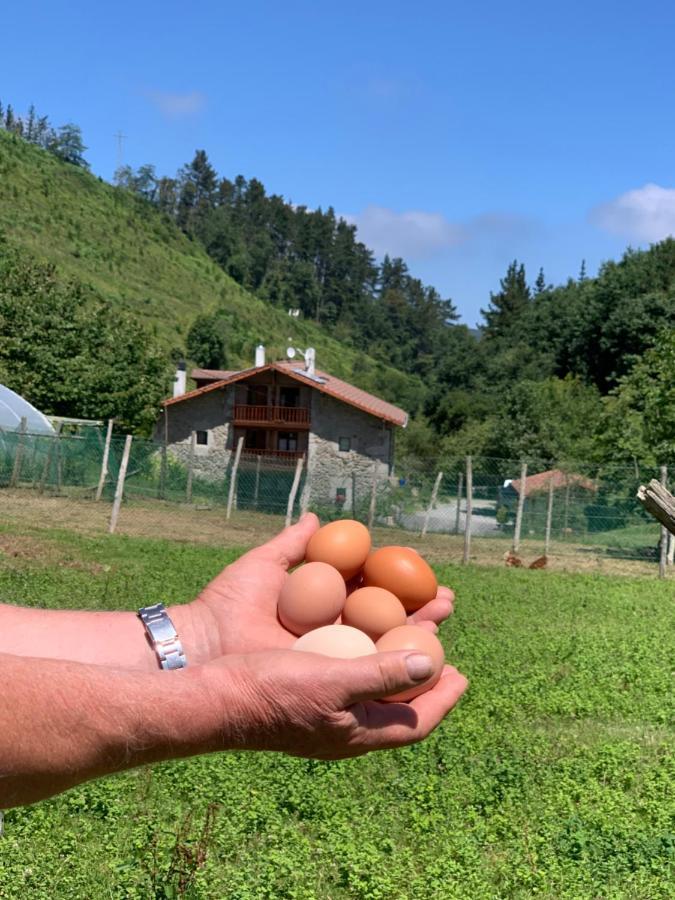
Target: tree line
[(64, 141)]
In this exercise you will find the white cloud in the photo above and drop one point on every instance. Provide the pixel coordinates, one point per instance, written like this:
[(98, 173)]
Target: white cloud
[(645, 214), (413, 234), (177, 105)]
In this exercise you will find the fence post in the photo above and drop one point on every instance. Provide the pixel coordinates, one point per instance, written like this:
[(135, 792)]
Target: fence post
[(469, 510), (671, 549), (256, 489), (521, 506), (191, 465), (294, 489), (566, 517), (432, 502), (353, 495), (664, 531), (233, 477), (161, 493), (549, 517), (460, 479), (18, 456), (119, 490), (48, 461), (104, 464), (373, 499)]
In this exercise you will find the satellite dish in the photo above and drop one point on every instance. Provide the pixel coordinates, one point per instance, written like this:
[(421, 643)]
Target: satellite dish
[(290, 353)]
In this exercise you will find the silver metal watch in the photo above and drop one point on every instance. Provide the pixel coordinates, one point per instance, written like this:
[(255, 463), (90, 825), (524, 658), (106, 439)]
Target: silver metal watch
[(163, 637)]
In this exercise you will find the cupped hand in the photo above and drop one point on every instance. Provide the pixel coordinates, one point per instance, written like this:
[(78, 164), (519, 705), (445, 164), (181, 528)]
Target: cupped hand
[(315, 706), (238, 609)]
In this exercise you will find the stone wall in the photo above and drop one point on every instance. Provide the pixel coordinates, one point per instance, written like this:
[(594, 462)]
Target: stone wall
[(329, 468), (210, 412)]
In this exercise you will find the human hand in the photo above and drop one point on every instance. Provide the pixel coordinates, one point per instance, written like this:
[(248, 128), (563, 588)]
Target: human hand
[(320, 707), (238, 609)]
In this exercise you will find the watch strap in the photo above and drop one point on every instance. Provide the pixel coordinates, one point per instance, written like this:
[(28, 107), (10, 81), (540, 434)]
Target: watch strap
[(163, 636)]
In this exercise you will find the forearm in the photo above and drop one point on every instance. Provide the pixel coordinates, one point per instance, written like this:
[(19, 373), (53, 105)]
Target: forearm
[(101, 638), (62, 723)]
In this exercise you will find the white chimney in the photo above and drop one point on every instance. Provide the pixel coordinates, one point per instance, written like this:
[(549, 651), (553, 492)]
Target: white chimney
[(259, 356), (310, 358), (180, 379)]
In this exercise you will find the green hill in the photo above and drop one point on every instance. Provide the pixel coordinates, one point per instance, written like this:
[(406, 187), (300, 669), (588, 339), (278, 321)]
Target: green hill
[(134, 256)]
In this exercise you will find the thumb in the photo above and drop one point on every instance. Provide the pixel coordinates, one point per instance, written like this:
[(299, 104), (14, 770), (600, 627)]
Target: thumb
[(289, 546), (382, 674)]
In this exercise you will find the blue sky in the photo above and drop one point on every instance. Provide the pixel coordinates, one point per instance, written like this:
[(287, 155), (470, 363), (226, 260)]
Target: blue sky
[(457, 136)]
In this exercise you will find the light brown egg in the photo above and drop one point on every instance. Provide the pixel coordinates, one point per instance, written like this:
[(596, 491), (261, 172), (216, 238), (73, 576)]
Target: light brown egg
[(374, 611), (403, 572), (312, 596), (412, 637), (336, 640), (344, 544)]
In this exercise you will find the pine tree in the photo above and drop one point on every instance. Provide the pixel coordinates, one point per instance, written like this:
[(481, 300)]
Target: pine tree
[(582, 271), (10, 120), (540, 283), (508, 304)]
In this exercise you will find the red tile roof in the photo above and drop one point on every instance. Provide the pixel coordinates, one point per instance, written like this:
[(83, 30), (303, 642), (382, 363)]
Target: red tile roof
[(535, 484), (211, 374), (322, 381)]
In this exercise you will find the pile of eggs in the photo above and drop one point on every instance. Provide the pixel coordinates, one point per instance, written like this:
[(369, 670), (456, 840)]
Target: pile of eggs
[(346, 601)]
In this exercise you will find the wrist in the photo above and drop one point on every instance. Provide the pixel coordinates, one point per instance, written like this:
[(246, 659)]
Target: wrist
[(197, 631)]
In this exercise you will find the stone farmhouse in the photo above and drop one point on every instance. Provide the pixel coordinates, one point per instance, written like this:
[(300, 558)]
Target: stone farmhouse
[(282, 411)]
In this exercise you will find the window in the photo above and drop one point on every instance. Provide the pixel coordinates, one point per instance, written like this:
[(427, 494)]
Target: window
[(255, 439), (345, 444), (340, 496), (287, 441), (257, 395), (289, 396), (202, 437)]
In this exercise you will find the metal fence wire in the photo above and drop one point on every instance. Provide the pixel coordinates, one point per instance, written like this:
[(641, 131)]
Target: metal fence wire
[(564, 509)]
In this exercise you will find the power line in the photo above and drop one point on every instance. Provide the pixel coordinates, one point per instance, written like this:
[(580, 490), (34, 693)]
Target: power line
[(120, 137)]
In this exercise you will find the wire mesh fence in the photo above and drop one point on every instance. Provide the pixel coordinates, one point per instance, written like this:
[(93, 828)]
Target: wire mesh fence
[(507, 511)]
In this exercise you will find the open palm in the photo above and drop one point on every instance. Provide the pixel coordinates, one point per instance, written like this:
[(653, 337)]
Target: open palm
[(240, 604)]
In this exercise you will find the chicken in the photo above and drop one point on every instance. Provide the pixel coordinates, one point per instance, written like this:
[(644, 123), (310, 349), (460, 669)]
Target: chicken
[(539, 563), (511, 559)]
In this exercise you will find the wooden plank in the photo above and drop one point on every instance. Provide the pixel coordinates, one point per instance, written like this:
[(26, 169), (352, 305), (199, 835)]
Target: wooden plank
[(469, 510), (432, 502), (104, 463), (119, 490), (233, 477), (18, 456), (659, 502), (294, 490), (521, 507)]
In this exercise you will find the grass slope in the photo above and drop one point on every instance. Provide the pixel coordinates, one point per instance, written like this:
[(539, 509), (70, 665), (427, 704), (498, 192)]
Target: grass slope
[(554, 778), (138, 258)]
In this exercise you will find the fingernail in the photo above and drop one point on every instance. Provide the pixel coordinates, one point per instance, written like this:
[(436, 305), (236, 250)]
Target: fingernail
[(419, 666)]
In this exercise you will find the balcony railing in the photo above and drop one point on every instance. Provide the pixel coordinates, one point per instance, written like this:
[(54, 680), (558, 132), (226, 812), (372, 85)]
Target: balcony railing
[(280, 455), (297, 416)]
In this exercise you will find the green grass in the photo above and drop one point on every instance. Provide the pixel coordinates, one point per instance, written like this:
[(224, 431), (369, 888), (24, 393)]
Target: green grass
[(137, 258), (554, 778)]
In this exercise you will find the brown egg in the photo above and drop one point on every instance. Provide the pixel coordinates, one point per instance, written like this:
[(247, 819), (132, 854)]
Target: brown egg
[(374, 611), (412, 637), (403, 572), (344, 544), (336, 640), (312, 596)]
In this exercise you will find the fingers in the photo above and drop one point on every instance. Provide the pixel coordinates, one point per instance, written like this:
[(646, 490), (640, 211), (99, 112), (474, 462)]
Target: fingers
[(436, 610), (389, 725), (289, 546), (382, 674)]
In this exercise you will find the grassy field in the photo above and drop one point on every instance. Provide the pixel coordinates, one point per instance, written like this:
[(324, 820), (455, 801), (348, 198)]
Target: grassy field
[(554, 778)]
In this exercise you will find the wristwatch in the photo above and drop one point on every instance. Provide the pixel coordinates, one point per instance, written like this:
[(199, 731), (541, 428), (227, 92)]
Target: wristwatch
[(163, 637)]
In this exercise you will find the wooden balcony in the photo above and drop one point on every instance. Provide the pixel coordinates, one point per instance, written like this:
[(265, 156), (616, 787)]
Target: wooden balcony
[(293, 418), (271, 456)]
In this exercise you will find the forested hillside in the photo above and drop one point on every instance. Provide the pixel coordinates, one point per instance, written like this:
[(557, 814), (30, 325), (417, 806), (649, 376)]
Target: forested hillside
[(212, 265)]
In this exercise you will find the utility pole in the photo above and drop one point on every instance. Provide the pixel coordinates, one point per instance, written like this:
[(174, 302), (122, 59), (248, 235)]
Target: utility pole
[(120, 137)]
